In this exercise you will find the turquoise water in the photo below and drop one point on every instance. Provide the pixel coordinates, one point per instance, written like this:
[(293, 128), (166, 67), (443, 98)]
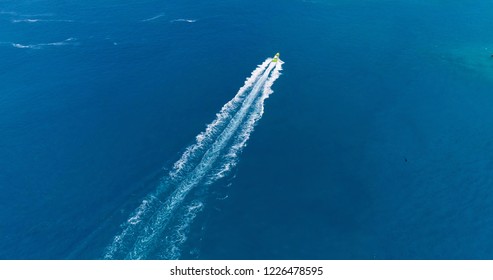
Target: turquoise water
[(375, 143)]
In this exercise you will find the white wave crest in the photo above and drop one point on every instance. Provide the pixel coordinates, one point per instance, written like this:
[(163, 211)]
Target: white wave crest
[(20, 46), (136, 218), (153, 18), (34, 20), (69, 41), (25, 20), (184, 20)]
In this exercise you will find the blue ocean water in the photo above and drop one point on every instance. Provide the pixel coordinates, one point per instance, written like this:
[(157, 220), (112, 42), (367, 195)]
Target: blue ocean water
[(376, 143)]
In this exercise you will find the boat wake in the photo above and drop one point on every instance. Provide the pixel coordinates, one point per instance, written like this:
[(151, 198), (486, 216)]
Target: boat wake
[(160, 226)]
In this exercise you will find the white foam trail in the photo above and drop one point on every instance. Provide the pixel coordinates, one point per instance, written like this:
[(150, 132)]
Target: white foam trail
[(221, 118), (228, 132), (153, 18), (174, 242), (137, 217), (183, 20), (182, 167), (231, 157), (145, 243)]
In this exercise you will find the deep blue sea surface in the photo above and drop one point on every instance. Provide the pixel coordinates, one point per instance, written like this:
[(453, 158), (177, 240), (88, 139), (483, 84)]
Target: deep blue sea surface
[(377, 142)]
